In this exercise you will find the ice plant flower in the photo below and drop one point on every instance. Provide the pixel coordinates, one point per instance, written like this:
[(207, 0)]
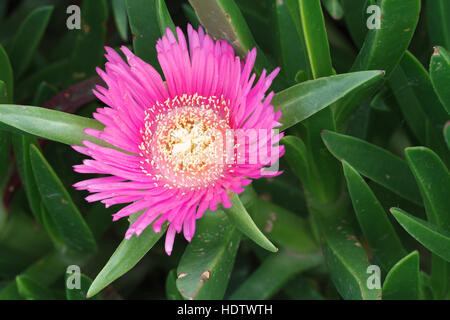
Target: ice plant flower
[(174, 164)]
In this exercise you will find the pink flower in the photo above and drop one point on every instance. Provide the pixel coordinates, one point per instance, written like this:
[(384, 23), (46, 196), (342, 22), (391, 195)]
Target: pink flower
[(179, 159)]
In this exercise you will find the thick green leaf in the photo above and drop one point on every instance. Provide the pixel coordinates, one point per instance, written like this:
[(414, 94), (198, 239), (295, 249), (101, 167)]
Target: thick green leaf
[(273, 274), (164, 19), (223, 20), (205, 267), (284, 227), (382, 49), (438, 24), (28, 37), (372, 218), (402, 282), (240, 217), (301, 288), (119, 9), (6, 76), (433, 179), (347, 261), (69, 226), (323, 166), (126, 256), (301, 101), (32, 290), (291, 47), (88, 48), (440, 75), (316, 38), (375, 163), (171, 286), (80, 293), (49, 124), (145, 30), (432, 237)]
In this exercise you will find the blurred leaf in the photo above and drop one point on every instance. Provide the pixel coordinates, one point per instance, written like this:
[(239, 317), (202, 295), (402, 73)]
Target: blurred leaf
[(172, 292), (419, 104), (433, 179), (205, 267), (375, 163), (302, 289), (402, 281), (79, 294), (284, 227), (273, 274), (432, 237), (447, 133), (374, 222), (164, 19), (46, 271), (347, 261), (355, 19), (88, 48), (438, 24), (70, 227), (126, 256), (334, 8), (384, 100), (27, 38), (21, 145), (440, 75), (223, 20), (119, 9), (296, 156), (190, 15), (301, 101), (145, 30), (242, 220), (52, 74), (49, 124), (44, 92), (6, 75), (32, 290)]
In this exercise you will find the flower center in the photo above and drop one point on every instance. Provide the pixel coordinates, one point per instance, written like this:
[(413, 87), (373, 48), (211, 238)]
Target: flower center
[(187, 146)]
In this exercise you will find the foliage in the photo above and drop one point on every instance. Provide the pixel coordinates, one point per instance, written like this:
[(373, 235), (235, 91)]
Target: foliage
[(366, 172)]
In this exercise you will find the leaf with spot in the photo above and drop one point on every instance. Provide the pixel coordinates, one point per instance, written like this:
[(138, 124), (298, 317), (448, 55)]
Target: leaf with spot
[(61, 217), (372, 218), (440, 75), (346, 260), (205, 267)]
